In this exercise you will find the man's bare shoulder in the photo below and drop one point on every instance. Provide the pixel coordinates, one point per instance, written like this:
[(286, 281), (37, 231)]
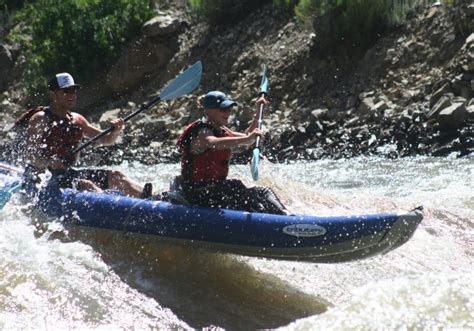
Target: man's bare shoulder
[(38, 118), (80, 120)]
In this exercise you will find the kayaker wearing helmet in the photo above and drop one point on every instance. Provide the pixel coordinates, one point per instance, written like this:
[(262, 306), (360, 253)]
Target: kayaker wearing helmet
[(206, 148), (49, 133)]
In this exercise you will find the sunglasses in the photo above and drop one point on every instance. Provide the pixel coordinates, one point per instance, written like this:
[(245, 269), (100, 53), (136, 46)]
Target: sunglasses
[(70, 90)]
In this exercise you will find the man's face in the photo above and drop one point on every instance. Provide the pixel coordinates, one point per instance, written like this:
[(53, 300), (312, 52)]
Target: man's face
[(66, 98)]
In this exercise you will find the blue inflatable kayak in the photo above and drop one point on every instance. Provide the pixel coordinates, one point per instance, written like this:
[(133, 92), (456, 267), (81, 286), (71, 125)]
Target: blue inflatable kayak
[(295, 237)]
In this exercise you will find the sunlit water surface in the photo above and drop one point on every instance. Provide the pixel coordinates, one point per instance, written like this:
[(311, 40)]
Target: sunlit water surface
[(55, 278)]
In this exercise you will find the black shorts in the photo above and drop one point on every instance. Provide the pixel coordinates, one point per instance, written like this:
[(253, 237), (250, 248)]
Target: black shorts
[(233, 194), (69, 178)]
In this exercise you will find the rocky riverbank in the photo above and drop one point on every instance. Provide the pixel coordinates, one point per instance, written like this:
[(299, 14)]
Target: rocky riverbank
[(411, 93)]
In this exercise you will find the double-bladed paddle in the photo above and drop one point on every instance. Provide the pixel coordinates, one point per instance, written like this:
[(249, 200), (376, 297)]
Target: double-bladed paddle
[(185, 83), (256, 150), (6, 192)]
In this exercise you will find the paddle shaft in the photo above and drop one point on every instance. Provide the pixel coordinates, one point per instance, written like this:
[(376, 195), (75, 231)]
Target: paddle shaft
[(256, 150), (185, 83), (8, 168), (260, 121), (125, 119)]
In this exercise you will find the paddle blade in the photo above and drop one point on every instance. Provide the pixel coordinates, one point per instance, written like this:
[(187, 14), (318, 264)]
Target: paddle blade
[(185, 83), (254, 163), (5, 194), (264, 83)]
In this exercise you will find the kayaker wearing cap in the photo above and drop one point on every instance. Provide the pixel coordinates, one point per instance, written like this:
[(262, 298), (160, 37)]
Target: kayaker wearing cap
[(51, 132), (206, 148)]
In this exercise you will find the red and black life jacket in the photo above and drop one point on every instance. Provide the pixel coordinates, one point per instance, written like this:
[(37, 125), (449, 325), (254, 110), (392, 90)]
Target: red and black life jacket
[(62, 136), (209, 166)]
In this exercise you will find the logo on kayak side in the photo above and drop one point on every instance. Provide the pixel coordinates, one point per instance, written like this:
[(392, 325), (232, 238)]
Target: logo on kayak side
[(304, 230)]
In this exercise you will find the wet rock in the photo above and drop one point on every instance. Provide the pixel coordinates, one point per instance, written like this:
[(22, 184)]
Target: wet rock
[(442, 103), (470, 10), (380, 107), (389, 113), (319, 114), (366, 106), (161, 26), (470, 112), (444, 89), (446, 148), (146, 55), (453, 116), (354, 121), (109, 115), (314, 128)]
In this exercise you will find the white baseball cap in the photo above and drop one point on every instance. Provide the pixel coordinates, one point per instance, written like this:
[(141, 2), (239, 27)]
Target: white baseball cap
[(62, 81)]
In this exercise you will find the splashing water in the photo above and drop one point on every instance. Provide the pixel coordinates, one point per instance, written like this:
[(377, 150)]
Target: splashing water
[(56, 278)]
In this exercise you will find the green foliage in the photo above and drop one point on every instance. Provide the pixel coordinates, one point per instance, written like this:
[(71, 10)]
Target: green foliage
[(351, 24), (11, 4), (6, 7), (222, 12), (77, 36), (285, 4)]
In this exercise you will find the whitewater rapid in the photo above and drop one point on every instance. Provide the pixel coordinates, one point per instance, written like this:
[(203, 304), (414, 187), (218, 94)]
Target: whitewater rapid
[(55, 278)]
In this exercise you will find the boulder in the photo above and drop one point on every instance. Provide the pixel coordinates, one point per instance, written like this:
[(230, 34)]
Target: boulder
[(138, 64), (145, 57), (161, 26), (442, 103), (469, 40), (319, 114), (470, 10), (366, 105), (470, 112), (388, 113), (445, 88), (109, 115), (150, 127), (353, 122), (453, 116), (380, 107)]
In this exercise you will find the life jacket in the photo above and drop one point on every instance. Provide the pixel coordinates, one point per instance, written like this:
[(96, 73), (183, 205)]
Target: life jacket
[(61, 137), (209, 166)]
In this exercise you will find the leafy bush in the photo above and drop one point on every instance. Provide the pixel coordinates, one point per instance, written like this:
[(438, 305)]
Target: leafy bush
[(285, 4), (6, 7), (351, 24), (221, 12), (11, 4), (78, 36)]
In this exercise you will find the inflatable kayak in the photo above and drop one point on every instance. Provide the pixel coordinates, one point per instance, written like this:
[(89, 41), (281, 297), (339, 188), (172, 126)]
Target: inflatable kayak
[(294, 237)]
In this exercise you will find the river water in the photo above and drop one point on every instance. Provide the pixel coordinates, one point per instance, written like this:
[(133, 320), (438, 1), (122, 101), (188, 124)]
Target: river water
[(55, 278)]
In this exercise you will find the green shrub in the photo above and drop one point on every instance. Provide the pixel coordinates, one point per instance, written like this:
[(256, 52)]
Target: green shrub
[(285, 4), (222, 12), (351, 24), (11, 4), (78, 36), (6, 8)]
